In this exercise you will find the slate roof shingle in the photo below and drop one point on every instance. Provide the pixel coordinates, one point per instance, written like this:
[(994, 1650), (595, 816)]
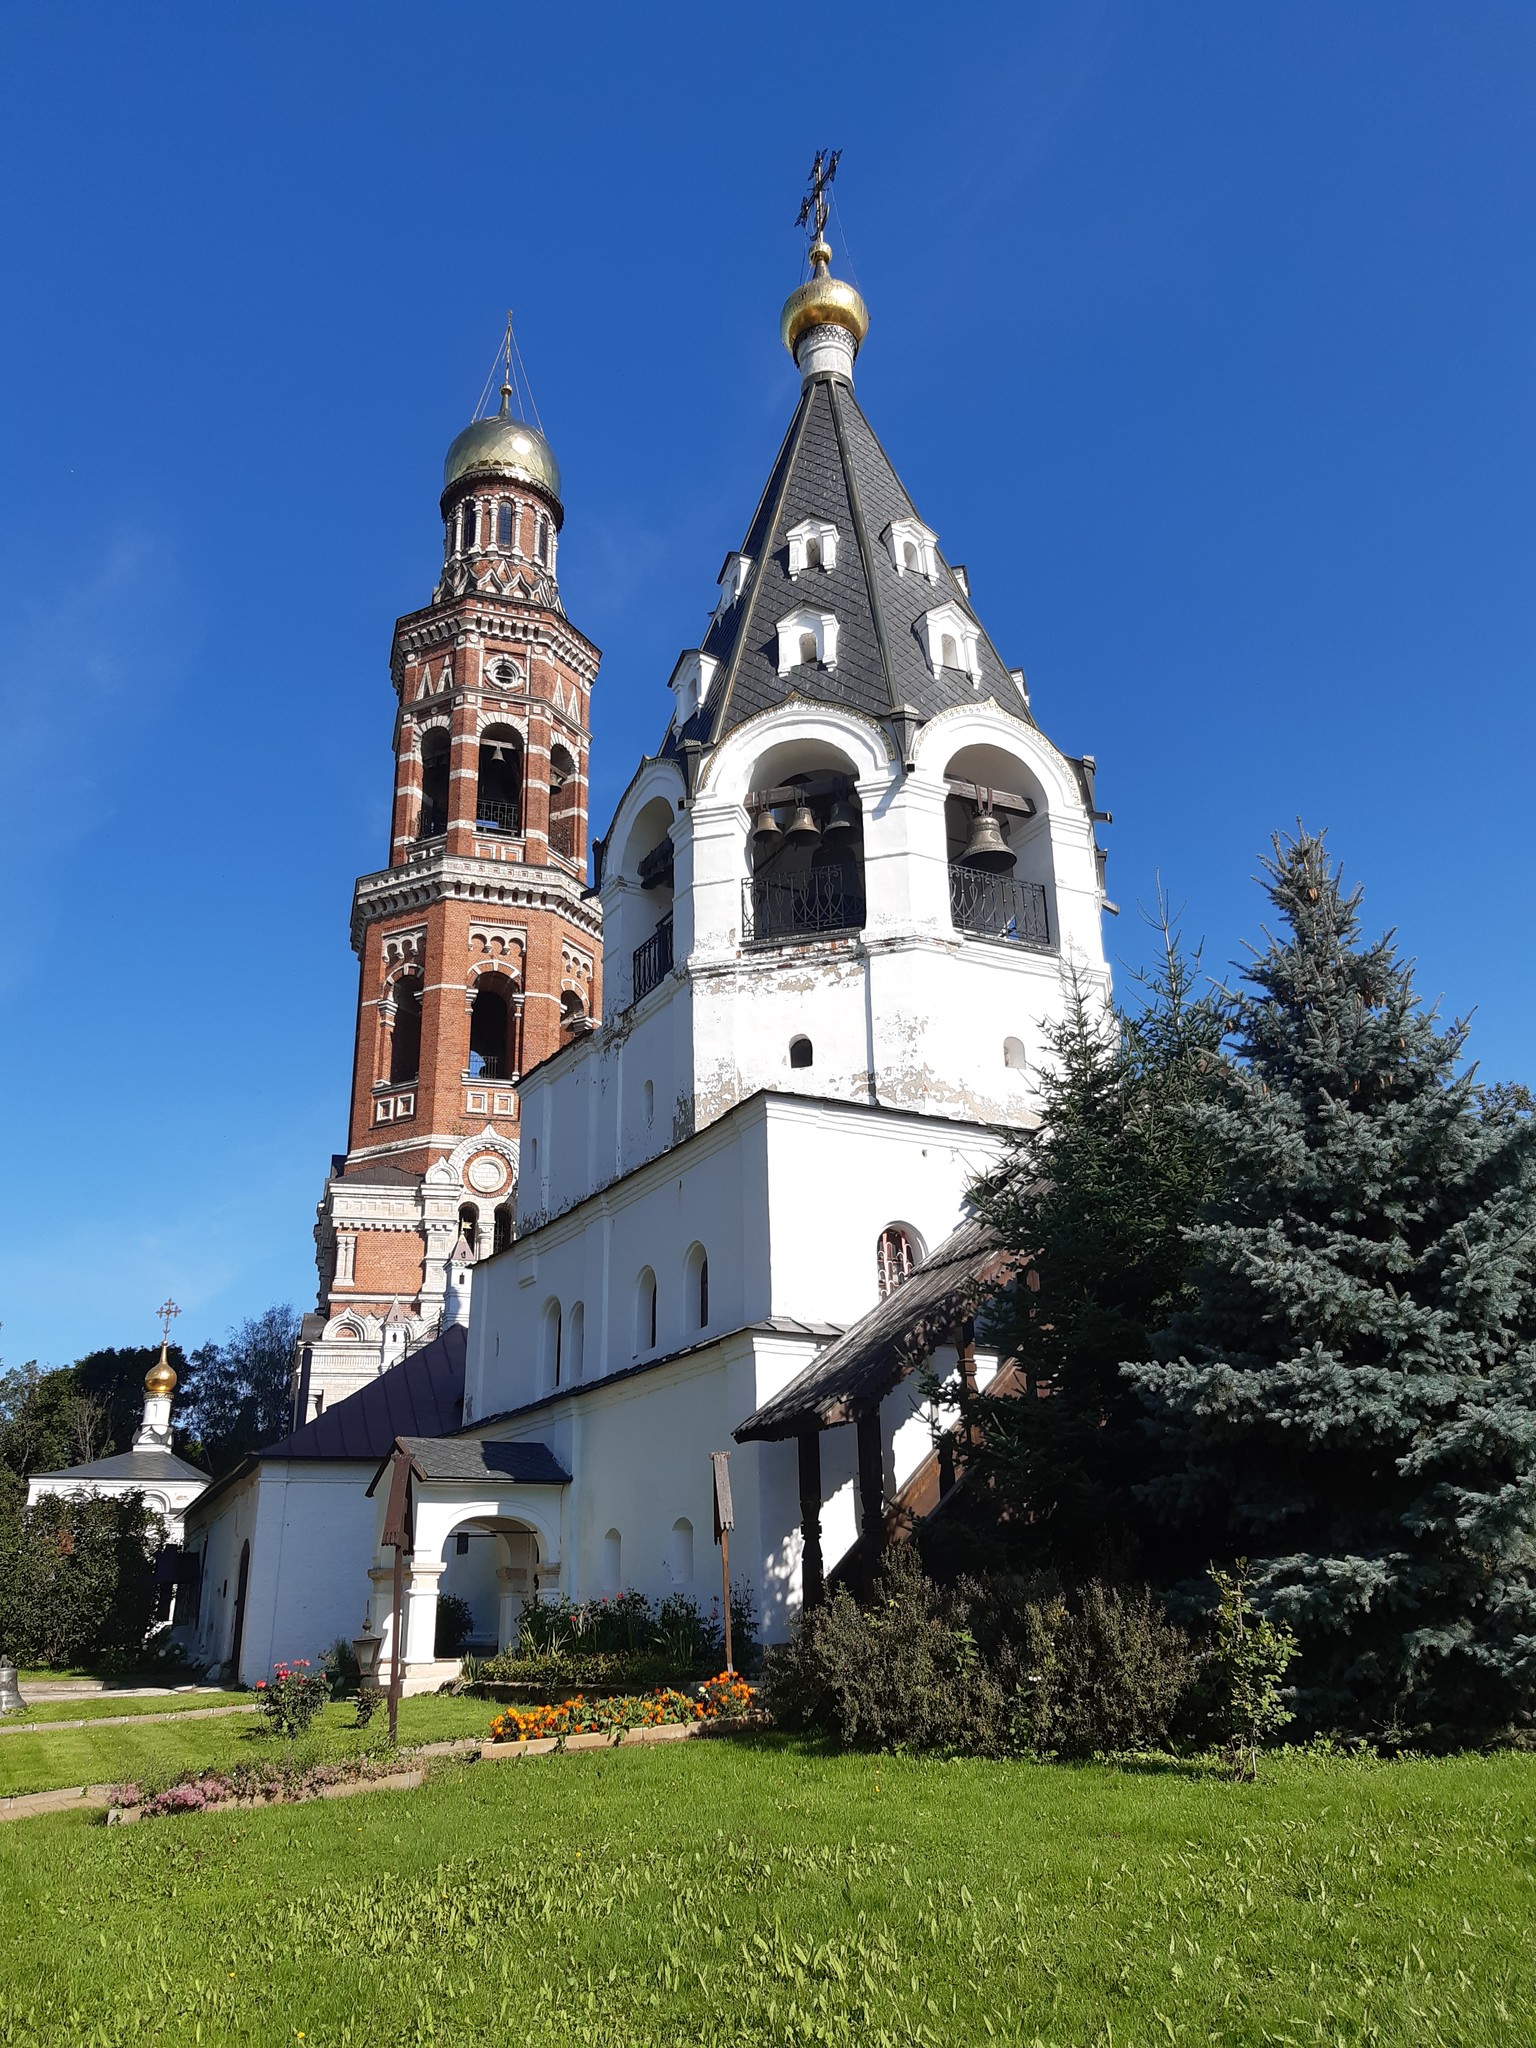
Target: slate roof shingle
[(422, 1396)]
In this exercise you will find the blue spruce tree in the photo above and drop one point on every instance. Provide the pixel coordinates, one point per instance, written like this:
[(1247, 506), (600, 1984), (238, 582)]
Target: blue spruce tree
[(1351, 1397)]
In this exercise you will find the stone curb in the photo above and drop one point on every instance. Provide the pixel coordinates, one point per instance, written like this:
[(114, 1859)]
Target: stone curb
[(397, 1781)]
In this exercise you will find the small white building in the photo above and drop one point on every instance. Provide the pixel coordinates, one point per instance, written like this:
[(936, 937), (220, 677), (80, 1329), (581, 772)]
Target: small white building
[(839, 907), (280, 1547), (168, 1483)]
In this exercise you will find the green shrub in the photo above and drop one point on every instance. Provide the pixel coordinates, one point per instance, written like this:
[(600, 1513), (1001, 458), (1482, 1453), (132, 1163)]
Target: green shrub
[(455, 1625), (293, 1696), (989, 1667), (77, 1578), (1244, 1673), (682, 1637)]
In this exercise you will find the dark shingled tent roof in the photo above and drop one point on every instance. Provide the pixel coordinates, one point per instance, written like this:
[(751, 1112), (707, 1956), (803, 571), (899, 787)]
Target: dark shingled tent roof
[(421, 1396), (133, 1468), (859, 1368), (475, 1460), (833, 467)]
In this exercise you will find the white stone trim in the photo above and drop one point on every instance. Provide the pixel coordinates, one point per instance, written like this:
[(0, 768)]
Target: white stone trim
[(901, 534), (948, 621), (800, 537), (822, 626)]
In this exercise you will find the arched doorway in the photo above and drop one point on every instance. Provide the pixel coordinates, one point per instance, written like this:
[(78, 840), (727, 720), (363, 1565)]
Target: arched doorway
[(493, 1567), (242, 1580)]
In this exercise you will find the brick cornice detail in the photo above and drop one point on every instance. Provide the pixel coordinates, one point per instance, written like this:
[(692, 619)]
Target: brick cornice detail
[(440, 878)]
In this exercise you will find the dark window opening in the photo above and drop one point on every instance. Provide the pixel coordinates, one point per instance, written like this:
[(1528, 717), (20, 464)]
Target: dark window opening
[(405, 1039), (499, 782), (501, 1228), (807, 861), (490, 1028), (813, 554), (703, 1292), (572, 1009), (469, 1225), (469, 525), (808, 647), (564, 794), (434, 783), (800, 1052), (461, 1546), (503, 525)]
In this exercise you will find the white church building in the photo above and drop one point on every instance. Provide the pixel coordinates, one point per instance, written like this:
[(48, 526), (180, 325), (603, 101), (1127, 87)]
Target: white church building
[(838, 907)]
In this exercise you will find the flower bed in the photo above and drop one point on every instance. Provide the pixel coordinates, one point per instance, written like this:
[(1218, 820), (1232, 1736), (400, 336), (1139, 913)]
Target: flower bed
[(719, 1698), (263, 1784)]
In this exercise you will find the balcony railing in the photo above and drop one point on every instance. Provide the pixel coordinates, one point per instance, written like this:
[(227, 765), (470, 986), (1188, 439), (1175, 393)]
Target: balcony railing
[(653, 960), (431, 825), (485, 1066), (817, 904), (494, 817), (997, 907)]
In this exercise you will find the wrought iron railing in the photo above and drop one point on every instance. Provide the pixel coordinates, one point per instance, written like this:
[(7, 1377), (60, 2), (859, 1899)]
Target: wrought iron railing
[(812, 905), (997, 907), (431, 825), (653, 960), (495, 817), (484, 1066)]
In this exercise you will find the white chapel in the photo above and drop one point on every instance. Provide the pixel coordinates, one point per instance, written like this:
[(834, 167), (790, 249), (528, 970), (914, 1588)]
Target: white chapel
[(838, 905)]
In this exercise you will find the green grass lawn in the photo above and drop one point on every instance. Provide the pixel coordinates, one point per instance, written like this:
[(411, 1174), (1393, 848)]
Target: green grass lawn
[(763, 1894), (105, 1707), (117, 1750)]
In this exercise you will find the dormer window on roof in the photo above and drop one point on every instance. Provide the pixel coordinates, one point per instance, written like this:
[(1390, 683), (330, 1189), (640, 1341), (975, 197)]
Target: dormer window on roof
[(952, 639), (812, 545), (807, 639), (913, 548), (691, 679), (733, 581)]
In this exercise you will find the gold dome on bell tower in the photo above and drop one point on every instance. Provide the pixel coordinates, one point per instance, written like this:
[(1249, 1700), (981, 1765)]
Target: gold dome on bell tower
[(825, 314)]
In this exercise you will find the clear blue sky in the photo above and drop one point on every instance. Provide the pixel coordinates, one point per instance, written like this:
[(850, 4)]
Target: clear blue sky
[(1202, 333)]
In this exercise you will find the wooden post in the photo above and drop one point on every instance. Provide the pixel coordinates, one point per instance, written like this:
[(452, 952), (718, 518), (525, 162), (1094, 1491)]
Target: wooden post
[(813, 1581), (871, 1479), (395, 1660), (725, 1521)]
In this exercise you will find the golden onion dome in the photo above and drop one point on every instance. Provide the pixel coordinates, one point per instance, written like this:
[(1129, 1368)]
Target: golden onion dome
[(825, 302), (504, 446), (161, 1377)]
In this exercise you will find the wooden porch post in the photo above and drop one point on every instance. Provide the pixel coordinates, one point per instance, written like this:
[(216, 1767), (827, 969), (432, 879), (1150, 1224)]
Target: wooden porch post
[(871, 1479), (813, 1582)]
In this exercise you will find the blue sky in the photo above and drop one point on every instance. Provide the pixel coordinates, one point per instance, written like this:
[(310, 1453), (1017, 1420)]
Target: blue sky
[(1202, 334)]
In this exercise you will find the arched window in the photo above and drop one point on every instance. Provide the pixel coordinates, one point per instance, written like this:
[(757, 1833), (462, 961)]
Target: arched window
[(490, 1028), (469, 525), (680, 1552), (910, 556), (800, 1052), (808, 649), (564, 793), (499, 783), (434, 783), (898, 1255), (648, 1098), (613, 1568), (949, 652), (696, 1288), (503, 525), (1013, 1054), (552, 1342), (576, 1342), (541, 538), (572, 1009), (405, 1039), (501, 1228), (469, 1225), (645, 1312), (813, 553)]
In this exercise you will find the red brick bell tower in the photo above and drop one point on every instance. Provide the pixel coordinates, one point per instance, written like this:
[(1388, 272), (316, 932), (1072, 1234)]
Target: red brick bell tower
[(477, 952)]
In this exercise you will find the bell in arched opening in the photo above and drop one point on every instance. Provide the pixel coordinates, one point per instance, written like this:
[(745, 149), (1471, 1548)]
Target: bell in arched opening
[(841, 822), (988, 852), (802, 829), (766, 830)]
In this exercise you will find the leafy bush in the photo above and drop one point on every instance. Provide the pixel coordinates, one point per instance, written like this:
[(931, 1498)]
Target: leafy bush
[(455, 1625), (341, 1661), (683, 1637), (985, 1668), (76, 1577), (616, 1670), (293, 1696), (1244, 1673)]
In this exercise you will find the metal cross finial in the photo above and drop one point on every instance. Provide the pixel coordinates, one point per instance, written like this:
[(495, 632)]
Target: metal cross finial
[(165, 1311), (813, 207)]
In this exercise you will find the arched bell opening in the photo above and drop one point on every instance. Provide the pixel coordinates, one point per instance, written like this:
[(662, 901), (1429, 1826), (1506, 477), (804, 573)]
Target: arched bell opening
[(499, 783), (435, 750), (805, 846), (1002, 880), (643, 934), (405, 1033), (492, 1046), (564, 805)]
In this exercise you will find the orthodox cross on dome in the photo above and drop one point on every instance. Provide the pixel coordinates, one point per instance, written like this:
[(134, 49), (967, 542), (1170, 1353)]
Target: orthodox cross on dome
[(813, 207), (165, 1312)]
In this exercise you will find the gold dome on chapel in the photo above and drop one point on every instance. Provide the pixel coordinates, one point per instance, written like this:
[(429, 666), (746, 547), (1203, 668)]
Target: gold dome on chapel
[(825, 302), (504, 446), (161, 1377)]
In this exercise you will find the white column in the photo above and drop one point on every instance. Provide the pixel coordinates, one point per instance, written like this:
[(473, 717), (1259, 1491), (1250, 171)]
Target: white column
[(421, 1577)]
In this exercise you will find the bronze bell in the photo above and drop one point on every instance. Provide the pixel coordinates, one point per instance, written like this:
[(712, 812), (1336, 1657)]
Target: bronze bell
[(802, 828), (988, 851), (766, 829), (841, 820)]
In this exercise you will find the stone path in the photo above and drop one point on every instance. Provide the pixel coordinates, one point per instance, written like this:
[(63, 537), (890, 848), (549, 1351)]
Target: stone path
[(10, 1727)]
